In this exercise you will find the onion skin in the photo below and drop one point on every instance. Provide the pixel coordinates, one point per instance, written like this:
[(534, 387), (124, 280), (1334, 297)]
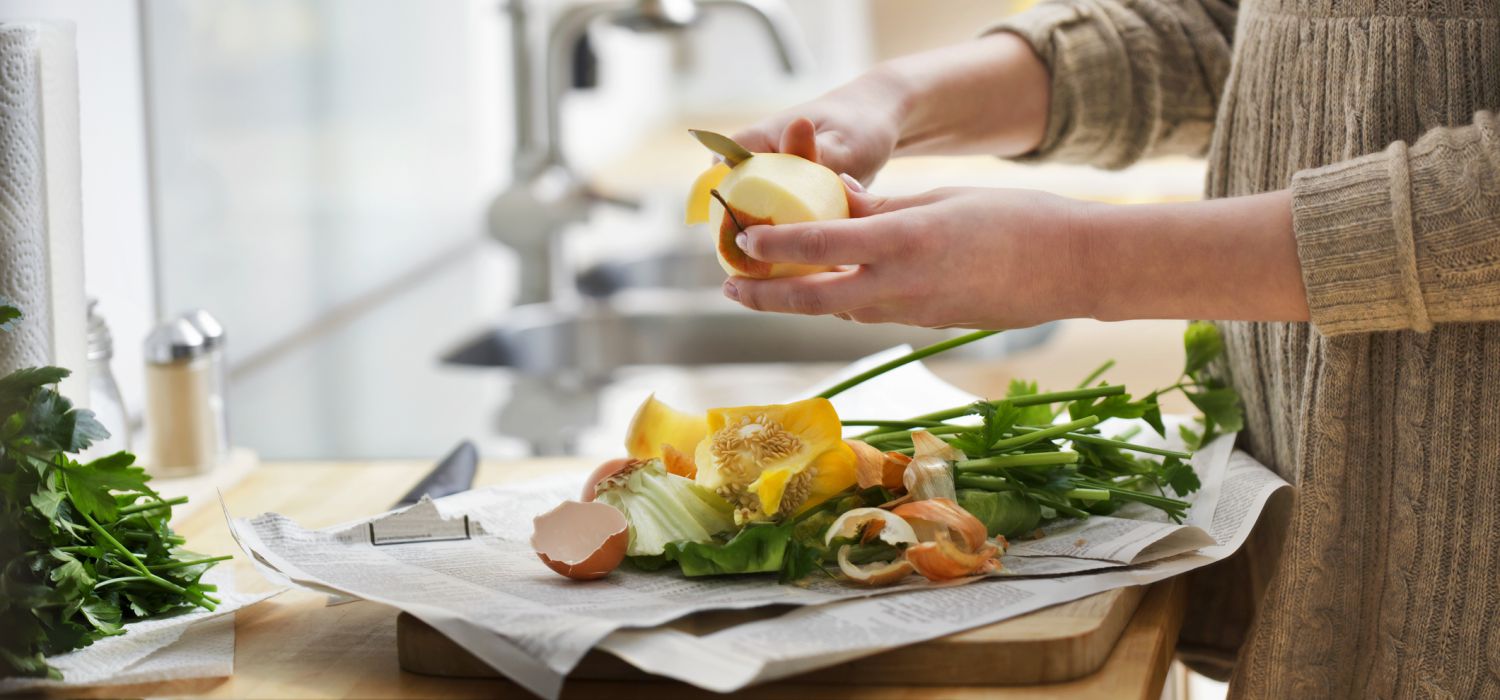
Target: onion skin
[(943, 560), (600, 473), (947, 515)]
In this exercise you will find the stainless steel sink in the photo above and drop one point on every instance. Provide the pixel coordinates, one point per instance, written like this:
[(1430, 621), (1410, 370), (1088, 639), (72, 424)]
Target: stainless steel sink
[(688, 327), (673, 269)]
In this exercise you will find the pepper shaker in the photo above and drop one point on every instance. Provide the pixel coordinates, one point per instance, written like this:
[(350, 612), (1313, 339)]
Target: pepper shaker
[(213, 342)]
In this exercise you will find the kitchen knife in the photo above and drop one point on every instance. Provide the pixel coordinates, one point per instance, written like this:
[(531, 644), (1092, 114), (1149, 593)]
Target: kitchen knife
[(452, 475)]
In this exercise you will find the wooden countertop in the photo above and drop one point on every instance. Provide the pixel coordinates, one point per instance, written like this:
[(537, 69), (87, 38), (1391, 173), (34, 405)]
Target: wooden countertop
[(295, 646)]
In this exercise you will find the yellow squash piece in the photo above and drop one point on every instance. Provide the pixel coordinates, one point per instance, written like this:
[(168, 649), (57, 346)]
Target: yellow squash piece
[(656, 425), (774, 461)]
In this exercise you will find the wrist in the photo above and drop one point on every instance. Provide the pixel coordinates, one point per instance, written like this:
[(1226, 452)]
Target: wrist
[(1092, 293)]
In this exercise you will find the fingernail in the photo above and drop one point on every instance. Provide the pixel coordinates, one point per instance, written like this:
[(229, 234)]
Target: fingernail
[(852, 183), (742, 240), (730, 291)]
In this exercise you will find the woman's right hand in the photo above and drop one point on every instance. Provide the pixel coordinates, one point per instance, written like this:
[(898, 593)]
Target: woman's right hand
[(853, 129)]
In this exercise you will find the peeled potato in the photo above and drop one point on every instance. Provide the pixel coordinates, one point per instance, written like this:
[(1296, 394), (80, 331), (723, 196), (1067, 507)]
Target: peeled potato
[(768, 188)]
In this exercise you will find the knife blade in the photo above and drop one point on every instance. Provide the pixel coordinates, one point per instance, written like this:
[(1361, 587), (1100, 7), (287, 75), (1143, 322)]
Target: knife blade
[(455, 473)]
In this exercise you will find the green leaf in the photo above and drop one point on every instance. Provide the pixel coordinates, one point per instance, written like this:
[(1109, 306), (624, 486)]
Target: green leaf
[(1152, 416), (1180, 476), (89, 485), (24, 381), (1190, 437), (47, 502), (1203, 344), (1005, 513), (1221, 406), (9, 313), (755, 549), (102, 614)]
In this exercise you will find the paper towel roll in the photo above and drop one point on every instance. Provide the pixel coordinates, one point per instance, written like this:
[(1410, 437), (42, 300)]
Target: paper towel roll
[(41, 209)]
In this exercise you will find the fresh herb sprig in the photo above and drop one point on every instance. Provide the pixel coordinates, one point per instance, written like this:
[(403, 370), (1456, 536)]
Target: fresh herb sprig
[(85, 547), (1043, 467)]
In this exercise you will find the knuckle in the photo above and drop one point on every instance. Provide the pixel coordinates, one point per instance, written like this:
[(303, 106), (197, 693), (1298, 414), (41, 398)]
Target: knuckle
[(812, 244), (806, 300)]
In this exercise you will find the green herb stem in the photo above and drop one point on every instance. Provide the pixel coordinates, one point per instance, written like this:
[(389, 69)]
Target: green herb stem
[(1106, 442), (141, 568), (1028, 437), (908, 358), (152, 505), (184, 564), (892, 423), (1035, 459)]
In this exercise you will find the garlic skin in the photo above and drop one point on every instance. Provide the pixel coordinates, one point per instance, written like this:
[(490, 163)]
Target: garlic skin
[(893, 528), (929, 475), (874, 574)]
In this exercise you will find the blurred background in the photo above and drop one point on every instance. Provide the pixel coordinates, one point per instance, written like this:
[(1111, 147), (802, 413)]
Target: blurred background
[(421, 221)]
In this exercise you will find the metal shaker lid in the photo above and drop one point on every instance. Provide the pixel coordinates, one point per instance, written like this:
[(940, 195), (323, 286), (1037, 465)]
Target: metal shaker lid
[(207, 326), (174, 341)]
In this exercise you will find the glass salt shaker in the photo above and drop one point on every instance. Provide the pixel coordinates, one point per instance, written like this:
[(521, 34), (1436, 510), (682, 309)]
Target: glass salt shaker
[(104, 392)]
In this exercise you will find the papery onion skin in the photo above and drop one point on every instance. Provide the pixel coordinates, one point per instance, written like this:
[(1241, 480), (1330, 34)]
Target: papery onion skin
[(948, 515), (943, 560)]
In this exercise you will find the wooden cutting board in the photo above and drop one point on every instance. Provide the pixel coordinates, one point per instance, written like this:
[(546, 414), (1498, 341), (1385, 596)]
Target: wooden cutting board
[(1060, 643)]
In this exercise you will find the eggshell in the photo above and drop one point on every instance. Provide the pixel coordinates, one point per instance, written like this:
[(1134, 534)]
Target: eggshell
[(602, 472), (580, 540)]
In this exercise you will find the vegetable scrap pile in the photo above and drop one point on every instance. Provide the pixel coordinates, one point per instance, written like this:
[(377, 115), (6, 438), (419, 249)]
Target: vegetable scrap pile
[(778, 490), (86, 547)]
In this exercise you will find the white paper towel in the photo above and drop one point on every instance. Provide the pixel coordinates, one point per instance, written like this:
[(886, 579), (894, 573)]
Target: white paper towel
[(41, 208)]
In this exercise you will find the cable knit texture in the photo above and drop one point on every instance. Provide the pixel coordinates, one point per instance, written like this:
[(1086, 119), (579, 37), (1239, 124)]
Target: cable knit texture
[(1382, 577)]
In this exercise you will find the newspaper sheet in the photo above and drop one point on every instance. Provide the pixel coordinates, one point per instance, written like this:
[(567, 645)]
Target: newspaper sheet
[(483, 586)]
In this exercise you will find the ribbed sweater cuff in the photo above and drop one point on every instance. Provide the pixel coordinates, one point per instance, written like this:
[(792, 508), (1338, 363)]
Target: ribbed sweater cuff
[(1090, 77), (1354, 227)]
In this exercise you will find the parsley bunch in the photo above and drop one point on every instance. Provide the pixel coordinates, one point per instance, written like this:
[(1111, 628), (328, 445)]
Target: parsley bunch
[(84, 548)]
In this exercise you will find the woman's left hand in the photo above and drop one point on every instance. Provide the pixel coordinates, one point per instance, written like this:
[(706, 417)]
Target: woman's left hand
[(961, 257)]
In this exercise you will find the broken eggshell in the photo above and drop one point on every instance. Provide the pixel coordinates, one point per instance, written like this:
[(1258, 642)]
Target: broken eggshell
[(580, 540)]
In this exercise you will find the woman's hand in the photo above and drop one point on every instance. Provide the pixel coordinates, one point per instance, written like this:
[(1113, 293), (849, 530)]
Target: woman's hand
[(969, 257), (994, 258), (851, 130)]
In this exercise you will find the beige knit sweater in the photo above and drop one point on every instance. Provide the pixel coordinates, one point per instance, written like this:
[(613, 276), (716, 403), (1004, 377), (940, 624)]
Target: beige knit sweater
[(1385, 410)]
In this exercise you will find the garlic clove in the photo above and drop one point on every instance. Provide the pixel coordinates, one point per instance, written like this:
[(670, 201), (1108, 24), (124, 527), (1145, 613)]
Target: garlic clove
[(579, 540)]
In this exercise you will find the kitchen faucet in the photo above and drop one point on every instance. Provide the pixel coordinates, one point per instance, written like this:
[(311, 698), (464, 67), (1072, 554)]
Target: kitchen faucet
[(545, 194)]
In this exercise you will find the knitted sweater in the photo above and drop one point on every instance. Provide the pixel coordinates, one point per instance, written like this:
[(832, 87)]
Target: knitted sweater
[(1381, 577)]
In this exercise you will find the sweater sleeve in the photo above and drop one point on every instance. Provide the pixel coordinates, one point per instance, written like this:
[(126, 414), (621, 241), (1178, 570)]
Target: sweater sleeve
[(1131, 79), (1404, 238)]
